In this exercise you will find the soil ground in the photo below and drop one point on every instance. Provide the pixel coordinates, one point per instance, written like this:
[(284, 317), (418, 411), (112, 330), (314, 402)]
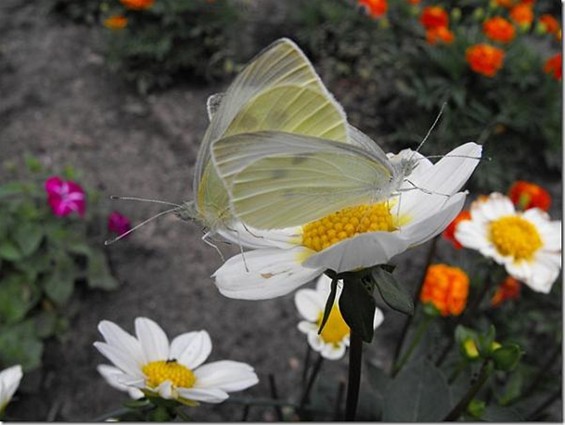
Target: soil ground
[(62, 105)]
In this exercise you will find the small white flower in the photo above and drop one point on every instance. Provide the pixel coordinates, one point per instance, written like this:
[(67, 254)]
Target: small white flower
[(334, 338), (282, 260), (527, 243), (9, 382), (148, 364)]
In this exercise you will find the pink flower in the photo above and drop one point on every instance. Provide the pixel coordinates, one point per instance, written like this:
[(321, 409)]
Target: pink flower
[(65, 197), (118, 223)]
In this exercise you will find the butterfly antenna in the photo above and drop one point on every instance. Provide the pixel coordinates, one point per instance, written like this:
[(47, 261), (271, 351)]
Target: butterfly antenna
[(432, 127), (134, 198), (150, 219)]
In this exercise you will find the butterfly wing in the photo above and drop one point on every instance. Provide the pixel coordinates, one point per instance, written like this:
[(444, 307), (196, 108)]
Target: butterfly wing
[(278, 90), (279, 180)]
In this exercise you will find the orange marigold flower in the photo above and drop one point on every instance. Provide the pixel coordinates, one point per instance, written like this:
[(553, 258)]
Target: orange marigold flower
[(526, 195), (375, 8), (137, 4), (433, 17), (116, 22), (446, 288), (485, 59), (499, 29), (554, 66), (439, 35), (449, 232), (522, 14), (509, 289), (549, 24)]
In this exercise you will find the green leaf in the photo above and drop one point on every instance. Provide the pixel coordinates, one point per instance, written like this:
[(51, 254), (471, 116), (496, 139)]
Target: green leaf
[(98, 273), (496, 413), (10, 251), (378, 384), (395, 295), (19, 344), (506, 358), (357, 306), (11, 188), (59, 284), (28, 236), (419, 394), (45, 323), (17, 297), (485, 341)]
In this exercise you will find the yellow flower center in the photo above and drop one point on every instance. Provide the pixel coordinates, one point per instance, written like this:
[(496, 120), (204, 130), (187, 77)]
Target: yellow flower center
[(515, 236), (346, 223), (160, 371), (335, 328)]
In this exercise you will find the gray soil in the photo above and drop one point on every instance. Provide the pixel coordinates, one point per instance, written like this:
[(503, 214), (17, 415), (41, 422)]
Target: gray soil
[(62, 105)]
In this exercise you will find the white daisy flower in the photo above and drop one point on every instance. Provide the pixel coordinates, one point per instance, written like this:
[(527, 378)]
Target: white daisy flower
[(150, 364), (9, 382), (353, 238), (527, 243), (334, 338)]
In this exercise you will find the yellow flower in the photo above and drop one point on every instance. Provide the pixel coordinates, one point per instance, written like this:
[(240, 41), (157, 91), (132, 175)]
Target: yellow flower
[(116, 22)]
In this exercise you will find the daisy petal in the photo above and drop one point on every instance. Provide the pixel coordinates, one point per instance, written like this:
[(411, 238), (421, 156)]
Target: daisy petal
[(333, 351), (119, 358), (116, 378), (225, 375), (165, 390), (270, 273), (308, 304), (255, 238), (116, 336), (191, 349), (208, 395), (9, 382), (154, 341)]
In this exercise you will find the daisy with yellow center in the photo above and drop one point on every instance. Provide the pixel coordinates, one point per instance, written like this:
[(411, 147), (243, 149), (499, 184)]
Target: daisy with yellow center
[(356, 237), (147, 365), (527, 243), (332, 342)]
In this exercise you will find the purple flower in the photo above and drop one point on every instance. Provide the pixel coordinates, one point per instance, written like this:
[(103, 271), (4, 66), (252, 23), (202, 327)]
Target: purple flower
[(118, 223), (65, 197)]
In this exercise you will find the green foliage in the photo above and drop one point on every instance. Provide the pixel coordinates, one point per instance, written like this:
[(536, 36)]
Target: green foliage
[(173, 40), (393, 84), (43, 258)]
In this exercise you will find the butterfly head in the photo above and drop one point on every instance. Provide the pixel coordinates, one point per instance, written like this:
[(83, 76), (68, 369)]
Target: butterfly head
[(187, 211)]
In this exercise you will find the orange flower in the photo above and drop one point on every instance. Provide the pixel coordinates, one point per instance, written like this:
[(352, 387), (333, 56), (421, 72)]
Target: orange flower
[(528, 195), (522, 14), (137, 4), (549, 24), (439, 35), (116, 22), (509, 289), (446, 288), (485, 59), (499, 29), (449, 232), (433, 17), (375, 8), (554, 67)]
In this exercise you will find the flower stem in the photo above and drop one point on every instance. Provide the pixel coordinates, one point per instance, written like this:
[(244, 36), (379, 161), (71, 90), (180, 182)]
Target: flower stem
[(408, 322), (275, 396), (308, 389), (460, 408), (354, 378), (420, 332)]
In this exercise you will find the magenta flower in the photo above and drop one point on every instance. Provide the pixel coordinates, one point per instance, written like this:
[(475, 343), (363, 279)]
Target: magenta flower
[(65, 197), (118, 223)]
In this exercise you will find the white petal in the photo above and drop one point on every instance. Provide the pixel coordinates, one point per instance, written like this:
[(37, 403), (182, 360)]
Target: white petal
[(119, 358), (424, 228), (9, 382), (116, 336), (154, 341), (207, 395), (225, 375), (315, 341), (543, 272), (165, 390), (191, 349), (497, 205), (270, 273), (333, 351), (309, 304), (250, 237), (361, 251), (307, 327), (471, 234), (379, 318), (116, 378)]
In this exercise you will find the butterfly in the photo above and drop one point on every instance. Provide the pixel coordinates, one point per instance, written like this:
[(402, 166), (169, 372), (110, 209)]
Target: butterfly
[(278, 90)]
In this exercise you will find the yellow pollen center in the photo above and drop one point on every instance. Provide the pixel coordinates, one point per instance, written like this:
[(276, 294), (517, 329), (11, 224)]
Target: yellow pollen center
[(160, 371), (335, 328), (516, 237), (346, 223)]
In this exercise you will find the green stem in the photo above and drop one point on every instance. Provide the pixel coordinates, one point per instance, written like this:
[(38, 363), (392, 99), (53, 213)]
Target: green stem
[(408, 322), (306, 364), (460, 408), (308, 389), (354, 377), (457, 371), (420, 332)]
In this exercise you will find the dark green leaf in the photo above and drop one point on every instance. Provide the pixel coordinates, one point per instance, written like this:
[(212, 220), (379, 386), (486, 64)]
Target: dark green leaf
[(506, 358), (419, 394), (11, 188), (495, 413), (17, 297), (357, 307), (395, 295), (59, 284), (98, 273), (476, 408), (9, 251), (485, 341), (28, 236), (378, 384), (45, 323), (19, 344)]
